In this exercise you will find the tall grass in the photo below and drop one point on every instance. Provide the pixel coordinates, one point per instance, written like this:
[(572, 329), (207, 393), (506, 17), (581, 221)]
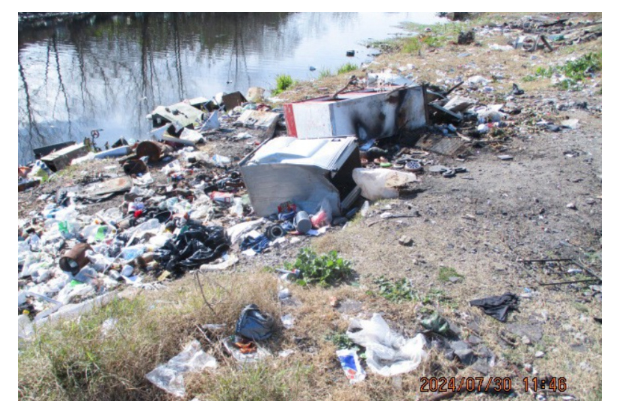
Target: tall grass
[(325, 73), (347, 67)]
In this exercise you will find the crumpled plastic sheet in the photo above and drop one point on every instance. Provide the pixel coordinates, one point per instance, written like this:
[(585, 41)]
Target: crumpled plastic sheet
[(238, 231), (388, 354), (170, 376), (196, 246)]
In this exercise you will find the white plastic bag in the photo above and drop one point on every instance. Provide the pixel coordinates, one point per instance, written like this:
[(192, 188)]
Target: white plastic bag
[(388, 354), (169, 376), (236, 232), (381, 183)]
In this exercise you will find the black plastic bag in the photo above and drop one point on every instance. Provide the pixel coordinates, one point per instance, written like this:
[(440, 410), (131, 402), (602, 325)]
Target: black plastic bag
[(254, 325), (196, 246), (497, 307)]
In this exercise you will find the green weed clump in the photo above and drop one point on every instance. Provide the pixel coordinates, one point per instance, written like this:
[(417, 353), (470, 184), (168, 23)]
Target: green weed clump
[(445, 273), (346, 68), (324, 270), (573, 71), (395, 291), (283, 82)]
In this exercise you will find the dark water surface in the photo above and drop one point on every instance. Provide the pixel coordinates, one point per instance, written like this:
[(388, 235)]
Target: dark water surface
[(108, 71)]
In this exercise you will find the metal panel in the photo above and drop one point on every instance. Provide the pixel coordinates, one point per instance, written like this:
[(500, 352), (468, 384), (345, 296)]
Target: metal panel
[(313, 120), (289, 115), (62, 158), (46, 150), (305, 185)]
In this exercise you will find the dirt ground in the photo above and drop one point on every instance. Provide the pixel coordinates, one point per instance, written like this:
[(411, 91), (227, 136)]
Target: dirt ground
[(545, 203)]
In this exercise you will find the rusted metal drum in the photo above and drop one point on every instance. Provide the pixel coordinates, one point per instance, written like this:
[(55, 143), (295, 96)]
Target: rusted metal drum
[(76, 259), (154, 150)]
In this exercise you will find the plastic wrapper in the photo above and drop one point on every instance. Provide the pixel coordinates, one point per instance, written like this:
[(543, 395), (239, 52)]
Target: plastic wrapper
[(170, 376), (351, 366)]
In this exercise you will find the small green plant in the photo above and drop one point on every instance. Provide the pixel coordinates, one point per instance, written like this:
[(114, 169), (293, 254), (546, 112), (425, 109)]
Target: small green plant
[(529, 78), (346, 68), (579, 69), (568, 84), (324, 270), (341, 341), (445, 273), (433, 41), (325, 73), (283, 82), (544, 72), (411, 45), (436, 296), (573, 71), (395, 291)]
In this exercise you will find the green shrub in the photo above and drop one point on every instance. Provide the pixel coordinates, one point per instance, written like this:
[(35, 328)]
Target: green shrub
[(283, 82), (324, 270)]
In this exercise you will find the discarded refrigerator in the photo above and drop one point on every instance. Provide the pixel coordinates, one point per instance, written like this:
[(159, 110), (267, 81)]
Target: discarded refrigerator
[(302, 171), (366, 114)]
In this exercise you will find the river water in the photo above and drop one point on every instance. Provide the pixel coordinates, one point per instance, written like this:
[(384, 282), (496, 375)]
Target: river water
[(108, 71)]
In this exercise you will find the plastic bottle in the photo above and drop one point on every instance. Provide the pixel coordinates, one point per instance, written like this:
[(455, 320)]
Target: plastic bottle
[(131, 253), (127, 271)]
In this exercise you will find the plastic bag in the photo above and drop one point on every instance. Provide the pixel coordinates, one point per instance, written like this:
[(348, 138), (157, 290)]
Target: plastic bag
[(144, 180), (221, 161), (237, 208), (381, 183), (169, 376), (254, 325), (323, 218), (73, 292), (388, 354), (191, 135), (237, 232)]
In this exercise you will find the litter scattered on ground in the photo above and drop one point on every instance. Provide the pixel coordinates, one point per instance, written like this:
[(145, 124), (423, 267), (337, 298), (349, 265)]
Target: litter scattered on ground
[(387, 353), (170, 376)]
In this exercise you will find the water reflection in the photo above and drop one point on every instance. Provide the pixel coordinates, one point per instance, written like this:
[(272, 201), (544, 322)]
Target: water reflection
[(108, 71)]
